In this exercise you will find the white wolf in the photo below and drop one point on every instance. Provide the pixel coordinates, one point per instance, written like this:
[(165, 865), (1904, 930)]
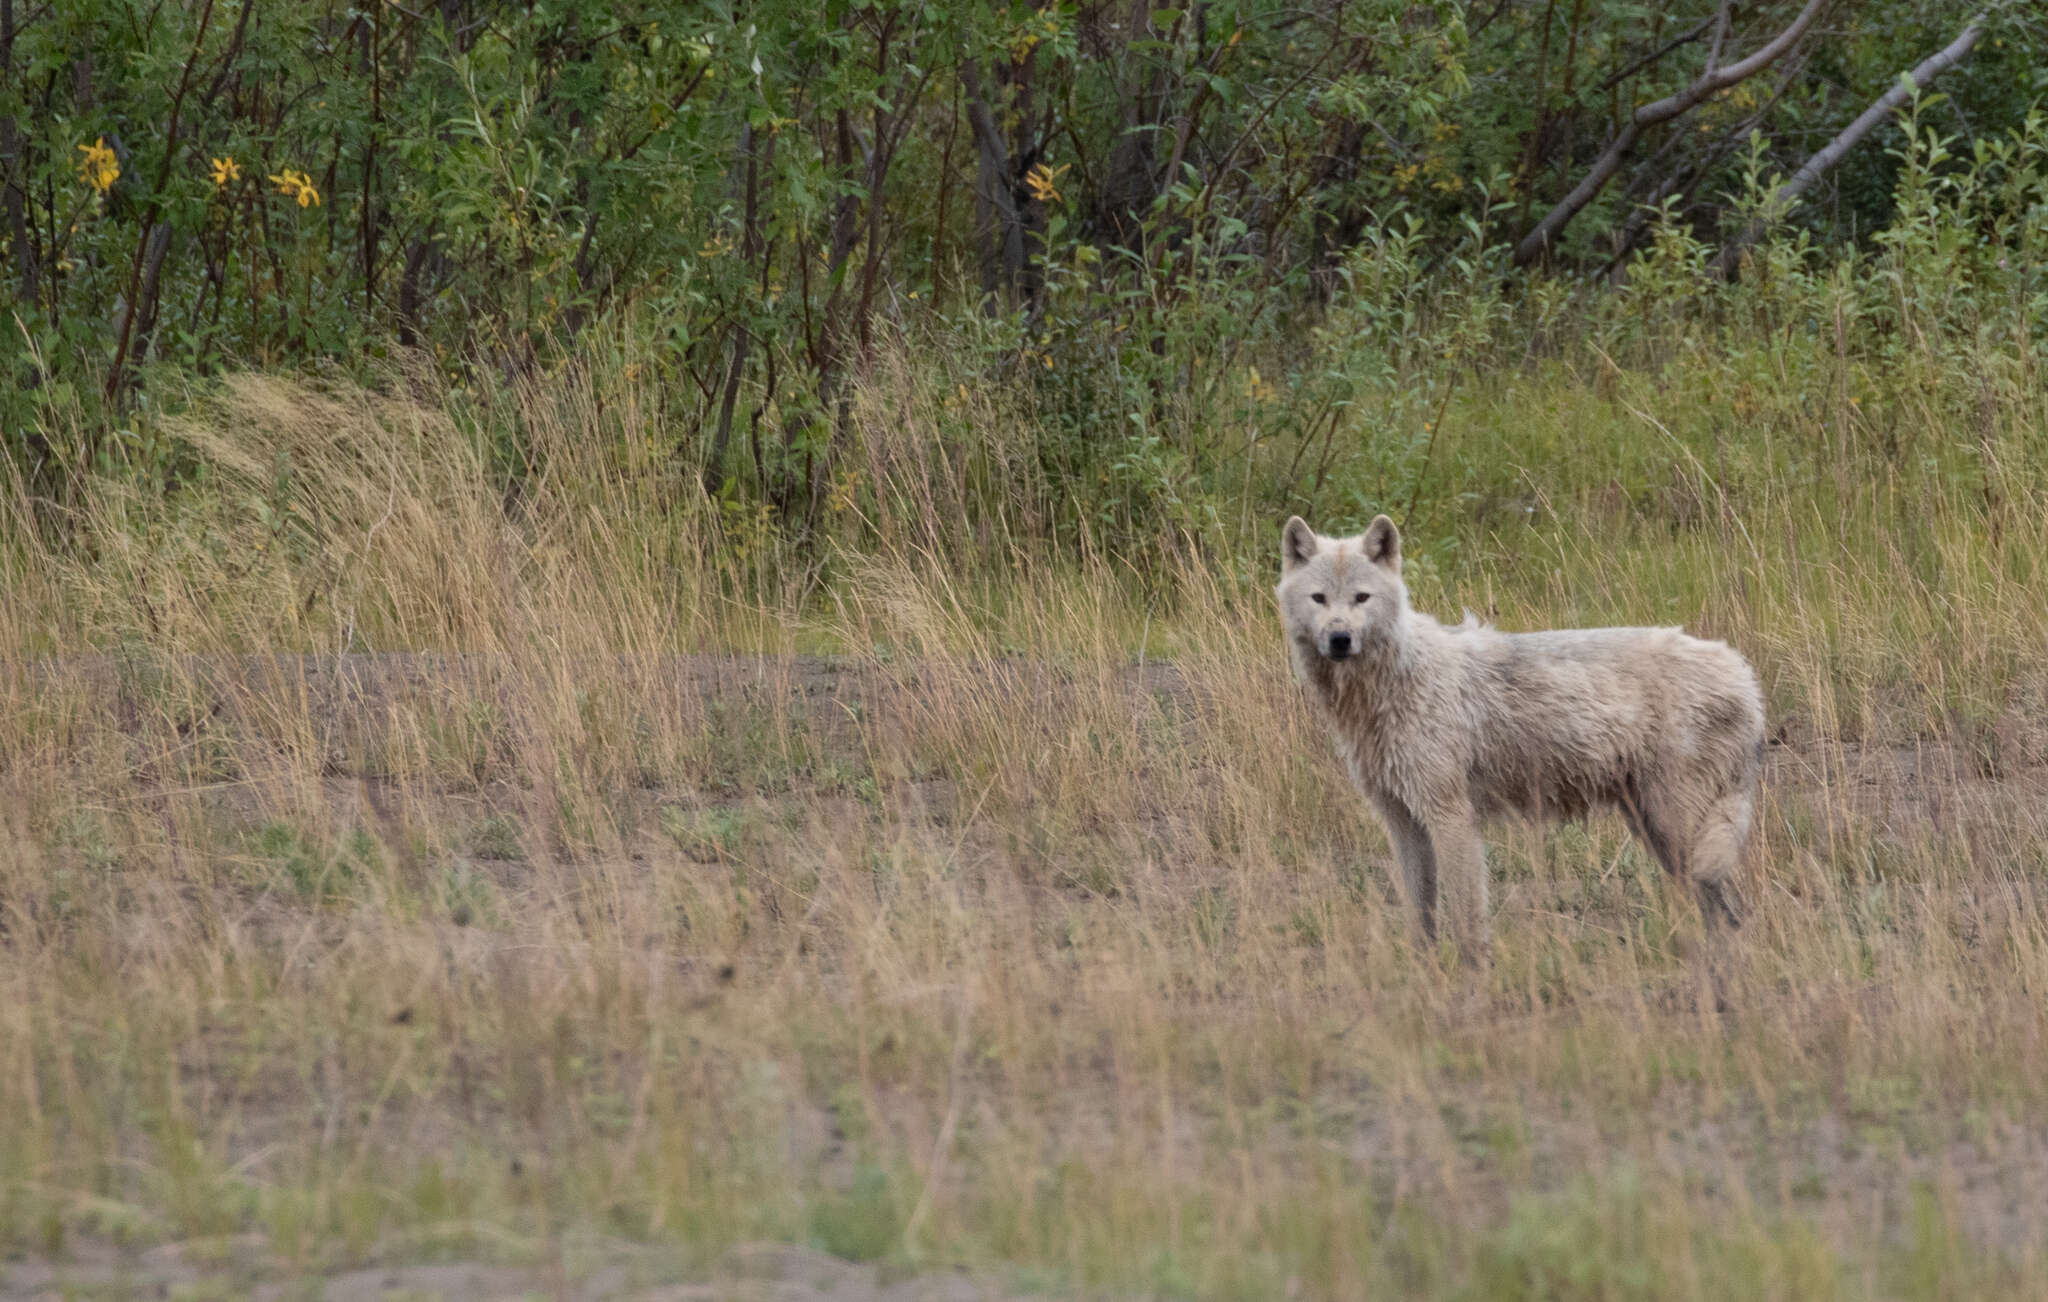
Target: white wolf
[(1443, 727)]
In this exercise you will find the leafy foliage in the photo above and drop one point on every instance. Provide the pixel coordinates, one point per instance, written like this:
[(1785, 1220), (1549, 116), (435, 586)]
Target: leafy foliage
[(1183, 236)]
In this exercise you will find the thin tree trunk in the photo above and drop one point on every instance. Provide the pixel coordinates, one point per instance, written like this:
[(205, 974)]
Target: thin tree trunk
[(152, 279), (1532, 158), (998, 226), (741, 338), (373, 32), (945, 191), (13, 208), (128, 317), (409, 290)]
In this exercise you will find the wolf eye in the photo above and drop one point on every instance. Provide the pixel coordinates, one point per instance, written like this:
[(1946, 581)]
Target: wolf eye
[(1361, 599), (1318, 598)]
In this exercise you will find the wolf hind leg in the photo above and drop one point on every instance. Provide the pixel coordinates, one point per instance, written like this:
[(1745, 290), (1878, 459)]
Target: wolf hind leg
[(1717, 852), (1703, 856)]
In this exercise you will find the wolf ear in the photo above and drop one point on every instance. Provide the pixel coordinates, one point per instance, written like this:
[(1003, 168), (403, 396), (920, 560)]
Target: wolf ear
[(1298, 542), (1383, 543)]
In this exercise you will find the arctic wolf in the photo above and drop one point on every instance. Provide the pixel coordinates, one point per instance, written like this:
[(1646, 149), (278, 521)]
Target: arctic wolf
[(1444, 727)]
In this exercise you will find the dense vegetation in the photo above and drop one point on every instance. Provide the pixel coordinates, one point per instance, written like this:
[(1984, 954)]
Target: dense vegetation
[(1147, 224)]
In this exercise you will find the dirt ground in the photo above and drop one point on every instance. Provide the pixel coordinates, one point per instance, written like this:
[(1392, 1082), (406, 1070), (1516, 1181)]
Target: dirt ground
[(588, 1273), (1942, 786), (1938, 789)]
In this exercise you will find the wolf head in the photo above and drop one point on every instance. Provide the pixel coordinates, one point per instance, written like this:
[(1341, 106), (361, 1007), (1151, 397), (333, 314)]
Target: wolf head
[(1340, 597)]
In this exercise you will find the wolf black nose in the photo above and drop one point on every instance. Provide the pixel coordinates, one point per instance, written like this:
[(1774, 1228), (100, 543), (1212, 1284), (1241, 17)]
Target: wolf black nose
[(1340, 645)]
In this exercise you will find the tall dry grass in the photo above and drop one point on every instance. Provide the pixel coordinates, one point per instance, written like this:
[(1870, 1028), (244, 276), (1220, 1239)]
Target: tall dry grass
[(395, 867)]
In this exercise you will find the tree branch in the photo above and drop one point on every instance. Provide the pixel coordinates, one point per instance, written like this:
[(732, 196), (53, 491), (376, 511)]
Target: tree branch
[(1538, 241), (1833, 152), (1720, 35), (1691, 173), (1683, 38)]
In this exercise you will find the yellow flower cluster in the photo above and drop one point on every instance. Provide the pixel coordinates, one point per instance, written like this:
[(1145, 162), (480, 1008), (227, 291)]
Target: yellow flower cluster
[(99, 168), (297, 185), (1043, 25), (1044, 180), (225, 170)]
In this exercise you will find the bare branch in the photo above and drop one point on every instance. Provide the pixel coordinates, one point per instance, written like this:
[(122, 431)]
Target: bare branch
[(1683, 38), (1720, 36), (1712, 82), (1692, 172), (1852, 135)]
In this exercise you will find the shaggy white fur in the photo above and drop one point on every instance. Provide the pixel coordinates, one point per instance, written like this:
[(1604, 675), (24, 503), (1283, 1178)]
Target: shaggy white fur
[(1443, 727)]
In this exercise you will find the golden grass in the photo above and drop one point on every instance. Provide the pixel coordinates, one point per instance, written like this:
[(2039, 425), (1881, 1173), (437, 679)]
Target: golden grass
[(393, 870)]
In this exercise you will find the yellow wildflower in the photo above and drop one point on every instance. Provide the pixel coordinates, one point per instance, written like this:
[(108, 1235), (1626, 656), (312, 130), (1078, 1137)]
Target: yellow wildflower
[(99, 168), (1043, 181), (225, 170), (297, 185), (1043, 25)]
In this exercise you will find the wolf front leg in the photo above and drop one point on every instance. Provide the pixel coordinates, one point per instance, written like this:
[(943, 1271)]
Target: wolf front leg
[(1452, 826), (1416, 857)]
